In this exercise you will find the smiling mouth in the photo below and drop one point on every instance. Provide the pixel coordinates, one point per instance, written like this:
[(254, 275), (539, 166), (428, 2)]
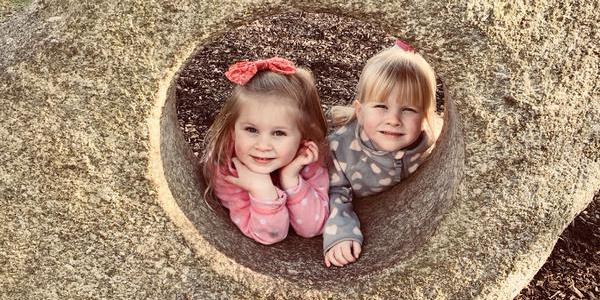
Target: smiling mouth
[(262, 160), (390, 133)]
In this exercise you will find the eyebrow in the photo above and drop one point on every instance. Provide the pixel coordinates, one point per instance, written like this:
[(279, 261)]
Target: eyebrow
[(387, 103), (276, 128), (373, 103)]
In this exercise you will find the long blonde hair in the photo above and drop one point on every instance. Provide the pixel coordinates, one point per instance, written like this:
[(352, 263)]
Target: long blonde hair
[(298, 87), (390, 69)]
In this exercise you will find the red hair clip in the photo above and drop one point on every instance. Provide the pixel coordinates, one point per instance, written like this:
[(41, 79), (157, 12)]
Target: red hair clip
[(241, 72), (404, 46)]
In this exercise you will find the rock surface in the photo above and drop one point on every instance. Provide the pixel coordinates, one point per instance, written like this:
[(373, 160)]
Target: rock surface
[(87, 211)]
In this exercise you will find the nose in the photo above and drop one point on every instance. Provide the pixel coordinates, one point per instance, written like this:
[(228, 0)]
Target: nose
[(263, 143), (392, 118)]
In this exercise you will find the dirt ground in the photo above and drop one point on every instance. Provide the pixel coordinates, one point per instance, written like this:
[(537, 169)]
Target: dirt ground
[(316, 42), (573, 269)]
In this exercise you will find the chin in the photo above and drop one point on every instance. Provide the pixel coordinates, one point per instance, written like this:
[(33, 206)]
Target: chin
[(262, 170), (388, 148), (391, 149)]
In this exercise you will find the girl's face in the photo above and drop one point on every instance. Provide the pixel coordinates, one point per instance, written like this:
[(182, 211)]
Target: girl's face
[(389, 124), (266, 134)]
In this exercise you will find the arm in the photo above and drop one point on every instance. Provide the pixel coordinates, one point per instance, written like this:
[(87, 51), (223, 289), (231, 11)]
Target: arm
[(342, 224), (308, 202), (265, 221)]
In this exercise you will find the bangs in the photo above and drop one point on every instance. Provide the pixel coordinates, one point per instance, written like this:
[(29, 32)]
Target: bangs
[(401, 81), (410, 92), (403, 74)]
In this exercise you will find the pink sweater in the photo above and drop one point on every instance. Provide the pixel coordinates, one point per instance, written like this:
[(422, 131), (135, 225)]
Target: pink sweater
[(305, 206)]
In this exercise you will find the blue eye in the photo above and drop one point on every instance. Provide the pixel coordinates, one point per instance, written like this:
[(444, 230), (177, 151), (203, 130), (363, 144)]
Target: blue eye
[(251, 129), (279, 133)]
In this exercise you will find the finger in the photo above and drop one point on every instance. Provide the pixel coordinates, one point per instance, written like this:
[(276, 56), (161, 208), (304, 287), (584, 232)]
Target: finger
[(232, 180), (337, 253), (332, 259), (309, 154), (236, 162), (239, 166), (310, 144), (357, 249), (305, 157), (296, 163), (303, 152), (347, 253), (302, 157), (310, 148), (327, 263), (314, 151)]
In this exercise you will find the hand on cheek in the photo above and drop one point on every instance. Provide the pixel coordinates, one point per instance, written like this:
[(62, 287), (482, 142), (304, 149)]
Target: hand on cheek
[(258, 185), (307, 154)]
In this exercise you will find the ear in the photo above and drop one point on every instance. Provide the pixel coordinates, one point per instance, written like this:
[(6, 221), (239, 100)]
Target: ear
[(358, 110)]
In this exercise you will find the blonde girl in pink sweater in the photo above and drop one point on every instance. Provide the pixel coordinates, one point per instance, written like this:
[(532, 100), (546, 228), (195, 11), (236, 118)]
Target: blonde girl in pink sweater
[(264, 154)]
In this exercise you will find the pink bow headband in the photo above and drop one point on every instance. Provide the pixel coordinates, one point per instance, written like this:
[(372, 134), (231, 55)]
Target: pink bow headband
[(404, 46), (241, 72)]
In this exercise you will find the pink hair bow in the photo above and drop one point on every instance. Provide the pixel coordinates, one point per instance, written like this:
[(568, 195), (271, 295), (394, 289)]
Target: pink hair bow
[(241, 72), (404, 46)]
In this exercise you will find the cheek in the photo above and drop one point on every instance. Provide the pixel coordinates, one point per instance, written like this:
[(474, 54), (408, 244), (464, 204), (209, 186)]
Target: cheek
[(238, 150), (360, 117), (416, 123), (241, 144), (290, 149), (370, 121)]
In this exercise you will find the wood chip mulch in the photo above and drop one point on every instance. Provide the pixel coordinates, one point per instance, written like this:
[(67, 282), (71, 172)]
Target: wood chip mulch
[(335, 49)]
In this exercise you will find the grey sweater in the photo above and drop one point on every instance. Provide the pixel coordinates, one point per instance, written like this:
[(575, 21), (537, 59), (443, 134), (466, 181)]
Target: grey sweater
[(361, 170)]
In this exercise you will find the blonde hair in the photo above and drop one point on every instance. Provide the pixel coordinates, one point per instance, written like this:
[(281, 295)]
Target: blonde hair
[(301, 91), (391, 69)]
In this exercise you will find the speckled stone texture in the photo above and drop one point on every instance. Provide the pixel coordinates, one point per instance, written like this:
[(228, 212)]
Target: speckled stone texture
[(95, 183)]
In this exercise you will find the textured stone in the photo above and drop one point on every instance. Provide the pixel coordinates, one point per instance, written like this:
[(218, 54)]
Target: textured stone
[(100, 196)]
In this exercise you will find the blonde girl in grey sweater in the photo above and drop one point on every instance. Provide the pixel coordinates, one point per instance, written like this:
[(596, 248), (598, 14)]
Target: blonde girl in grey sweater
[(387, 134)]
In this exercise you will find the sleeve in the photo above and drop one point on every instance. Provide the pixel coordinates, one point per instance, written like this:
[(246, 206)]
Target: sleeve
[(343, 223), (266, 222), (308, 202)]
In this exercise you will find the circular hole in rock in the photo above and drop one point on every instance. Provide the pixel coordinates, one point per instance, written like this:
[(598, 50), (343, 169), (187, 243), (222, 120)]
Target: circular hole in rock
[(395, 223)]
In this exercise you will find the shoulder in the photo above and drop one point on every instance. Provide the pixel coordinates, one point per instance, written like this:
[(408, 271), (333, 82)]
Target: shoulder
[(344, 130), (342, 136)]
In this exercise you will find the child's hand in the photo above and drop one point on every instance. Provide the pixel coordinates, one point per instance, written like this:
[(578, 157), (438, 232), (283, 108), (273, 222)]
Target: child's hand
[(307, 154), (343, 253), (258, 185)]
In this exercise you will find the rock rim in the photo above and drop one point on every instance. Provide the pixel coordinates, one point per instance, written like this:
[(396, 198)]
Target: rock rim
[(83, 87)]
